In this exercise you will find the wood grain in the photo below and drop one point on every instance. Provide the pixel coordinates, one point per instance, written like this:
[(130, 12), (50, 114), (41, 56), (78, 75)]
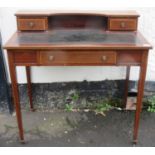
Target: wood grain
[(122, 24), (29, 86), (16, 98), (80, 12), (81, 58), (77, 57), (126, 85), (32, 24), (141, 82), (25, 57)]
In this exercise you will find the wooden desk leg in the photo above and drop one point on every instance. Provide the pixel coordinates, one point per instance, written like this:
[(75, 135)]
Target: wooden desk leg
[(28, 75), (141, 83), (126, 85), (15, 91)]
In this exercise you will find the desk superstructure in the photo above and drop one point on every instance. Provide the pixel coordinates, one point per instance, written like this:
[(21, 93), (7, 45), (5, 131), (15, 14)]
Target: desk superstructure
[(62, 38)]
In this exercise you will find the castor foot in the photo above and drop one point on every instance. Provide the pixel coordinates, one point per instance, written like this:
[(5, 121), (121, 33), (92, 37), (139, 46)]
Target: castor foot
[(22, 141), (32, 109), (134, 142)]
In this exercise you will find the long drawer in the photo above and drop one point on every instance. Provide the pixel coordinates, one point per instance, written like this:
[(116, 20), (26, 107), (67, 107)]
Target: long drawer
[(78, 57)]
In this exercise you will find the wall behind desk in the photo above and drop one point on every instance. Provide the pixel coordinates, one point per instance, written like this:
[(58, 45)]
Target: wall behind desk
[(61, 74)]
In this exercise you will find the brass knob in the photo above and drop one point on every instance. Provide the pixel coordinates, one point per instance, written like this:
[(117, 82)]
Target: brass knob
[(123, 25), (51, 58), (104, 58), (31, 24)]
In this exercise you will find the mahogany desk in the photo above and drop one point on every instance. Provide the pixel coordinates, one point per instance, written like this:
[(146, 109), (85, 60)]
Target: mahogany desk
[(77, 39)]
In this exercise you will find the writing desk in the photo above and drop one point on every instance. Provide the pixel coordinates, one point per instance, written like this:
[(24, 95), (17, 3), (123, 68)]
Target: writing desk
[(77, 39)]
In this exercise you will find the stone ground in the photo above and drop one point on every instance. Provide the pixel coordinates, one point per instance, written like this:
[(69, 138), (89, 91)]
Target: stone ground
[(59, 128)]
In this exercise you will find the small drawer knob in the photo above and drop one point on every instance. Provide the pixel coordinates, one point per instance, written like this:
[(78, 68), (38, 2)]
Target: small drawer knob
[(104, 58), (51, 58), (123, 25), (31, 24)]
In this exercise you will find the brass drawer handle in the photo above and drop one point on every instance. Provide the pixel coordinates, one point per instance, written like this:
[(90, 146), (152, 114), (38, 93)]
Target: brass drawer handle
[(104, 58), (31, 24), (51, 58), (123, 25)]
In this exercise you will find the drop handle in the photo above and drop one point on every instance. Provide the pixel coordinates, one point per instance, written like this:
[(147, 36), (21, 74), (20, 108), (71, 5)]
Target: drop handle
[(104, 58), (51, 58), (31, 24), (123, 25)]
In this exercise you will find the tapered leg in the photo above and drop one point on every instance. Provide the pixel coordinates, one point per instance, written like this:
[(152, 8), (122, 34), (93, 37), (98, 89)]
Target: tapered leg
[(141, 83), (126, 85), (28, 75), (15, 91)]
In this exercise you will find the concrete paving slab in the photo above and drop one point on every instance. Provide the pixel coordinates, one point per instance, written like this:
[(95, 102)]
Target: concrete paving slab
[(60, 128)]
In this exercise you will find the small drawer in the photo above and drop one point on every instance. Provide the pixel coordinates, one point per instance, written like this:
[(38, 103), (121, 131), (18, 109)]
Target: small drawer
[(123, 24), (32, 23), (129, 57), (78, 58), (24, 57)]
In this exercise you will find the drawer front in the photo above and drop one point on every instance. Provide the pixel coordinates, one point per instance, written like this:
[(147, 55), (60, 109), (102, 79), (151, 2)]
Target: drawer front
[(32, 23), (24, 57), (123, 24), (78, 58), (129, 57)]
